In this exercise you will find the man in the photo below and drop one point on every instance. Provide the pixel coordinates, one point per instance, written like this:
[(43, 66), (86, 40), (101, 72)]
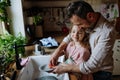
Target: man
[(102, 38)]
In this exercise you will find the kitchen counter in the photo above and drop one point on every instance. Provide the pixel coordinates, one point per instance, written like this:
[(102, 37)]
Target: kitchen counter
[(58, 37), (49, 51)]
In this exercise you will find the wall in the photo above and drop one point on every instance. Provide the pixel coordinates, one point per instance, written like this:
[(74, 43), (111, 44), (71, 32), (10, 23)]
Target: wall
[(16, 15), (1, 28), (29, 3), (16, 12), (55, 6), (52, 8)]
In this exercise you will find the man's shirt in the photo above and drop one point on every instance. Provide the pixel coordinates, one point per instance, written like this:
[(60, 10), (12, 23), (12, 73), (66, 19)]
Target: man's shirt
[(101, 40)]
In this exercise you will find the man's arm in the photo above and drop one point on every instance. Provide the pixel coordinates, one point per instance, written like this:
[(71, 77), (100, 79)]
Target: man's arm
[(101, 56)]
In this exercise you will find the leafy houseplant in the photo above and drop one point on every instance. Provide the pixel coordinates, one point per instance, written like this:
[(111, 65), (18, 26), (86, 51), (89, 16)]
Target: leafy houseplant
[(37, 20), (3, 12), (7, 52)]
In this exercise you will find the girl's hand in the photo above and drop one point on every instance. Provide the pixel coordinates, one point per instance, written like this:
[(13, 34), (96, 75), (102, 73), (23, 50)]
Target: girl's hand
[(53, 61)]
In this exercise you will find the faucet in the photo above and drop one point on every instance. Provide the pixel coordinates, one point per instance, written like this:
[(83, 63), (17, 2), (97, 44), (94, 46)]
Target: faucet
[(17, 57), (18, 60), (42, 50), (39, 49)]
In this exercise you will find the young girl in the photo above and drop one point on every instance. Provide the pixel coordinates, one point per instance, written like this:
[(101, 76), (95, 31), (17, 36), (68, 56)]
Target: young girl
[(78, 50)]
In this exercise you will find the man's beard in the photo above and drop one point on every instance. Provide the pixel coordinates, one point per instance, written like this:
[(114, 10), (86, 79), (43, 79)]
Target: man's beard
[(90, 28)]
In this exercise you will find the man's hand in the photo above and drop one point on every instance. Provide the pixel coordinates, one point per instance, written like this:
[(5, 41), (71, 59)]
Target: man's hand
[(62, 68), (65, 68)]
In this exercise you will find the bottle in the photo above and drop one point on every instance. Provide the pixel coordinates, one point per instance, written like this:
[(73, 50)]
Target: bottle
[(37, 49), (42, 51), (70, 61)]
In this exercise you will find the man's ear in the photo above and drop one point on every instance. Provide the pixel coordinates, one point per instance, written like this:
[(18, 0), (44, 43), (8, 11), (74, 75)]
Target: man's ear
[(90, 16)]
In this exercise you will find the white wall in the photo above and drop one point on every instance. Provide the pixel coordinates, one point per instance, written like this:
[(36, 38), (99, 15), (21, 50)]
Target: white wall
[(16, 15), (1, 28)]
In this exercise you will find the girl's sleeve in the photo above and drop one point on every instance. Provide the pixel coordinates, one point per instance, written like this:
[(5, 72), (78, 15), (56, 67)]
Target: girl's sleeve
[(67, 39)]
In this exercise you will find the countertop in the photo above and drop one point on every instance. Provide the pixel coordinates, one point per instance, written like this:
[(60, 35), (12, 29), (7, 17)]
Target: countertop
[(58, 37), (49, 51)]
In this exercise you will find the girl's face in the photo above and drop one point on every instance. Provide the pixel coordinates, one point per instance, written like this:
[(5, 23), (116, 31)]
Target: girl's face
[(77, 33)]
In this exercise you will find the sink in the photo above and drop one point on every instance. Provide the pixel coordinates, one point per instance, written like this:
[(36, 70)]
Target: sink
[(35, 68)]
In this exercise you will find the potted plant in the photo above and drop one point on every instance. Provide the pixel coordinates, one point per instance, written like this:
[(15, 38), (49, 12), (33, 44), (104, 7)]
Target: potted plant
[(38, 23), (3, 13), (7, 52), (37, 20)]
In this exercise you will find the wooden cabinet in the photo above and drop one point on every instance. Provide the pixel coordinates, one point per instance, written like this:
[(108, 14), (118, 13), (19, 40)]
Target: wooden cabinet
[(52, 11), (118, 24), (55, 9), (116, 57), (119, 6)]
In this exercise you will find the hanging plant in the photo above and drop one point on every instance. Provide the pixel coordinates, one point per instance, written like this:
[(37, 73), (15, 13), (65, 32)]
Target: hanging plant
[(3, 12)]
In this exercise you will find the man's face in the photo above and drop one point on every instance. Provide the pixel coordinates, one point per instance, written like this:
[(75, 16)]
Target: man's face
[(83, 23)]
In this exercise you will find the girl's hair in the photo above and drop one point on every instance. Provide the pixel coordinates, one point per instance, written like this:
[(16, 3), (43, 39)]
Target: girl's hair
[(85, 41), (79, 8)]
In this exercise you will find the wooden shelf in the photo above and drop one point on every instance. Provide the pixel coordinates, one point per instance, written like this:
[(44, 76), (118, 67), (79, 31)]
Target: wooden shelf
[(47, 0)]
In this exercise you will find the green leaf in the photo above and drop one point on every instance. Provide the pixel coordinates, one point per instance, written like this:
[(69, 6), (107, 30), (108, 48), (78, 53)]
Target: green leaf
[(7, 42)]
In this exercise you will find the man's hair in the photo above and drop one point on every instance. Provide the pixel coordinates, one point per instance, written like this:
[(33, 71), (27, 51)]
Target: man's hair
[(79, 8)]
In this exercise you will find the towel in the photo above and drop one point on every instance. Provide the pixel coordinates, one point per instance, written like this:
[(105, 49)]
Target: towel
[(49, 42)]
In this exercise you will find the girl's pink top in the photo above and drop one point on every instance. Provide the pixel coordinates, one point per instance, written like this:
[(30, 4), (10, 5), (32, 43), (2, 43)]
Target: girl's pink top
[(79, 54)]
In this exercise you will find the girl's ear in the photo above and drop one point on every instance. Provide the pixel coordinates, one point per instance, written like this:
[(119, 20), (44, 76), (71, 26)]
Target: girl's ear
[(90, 16)]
